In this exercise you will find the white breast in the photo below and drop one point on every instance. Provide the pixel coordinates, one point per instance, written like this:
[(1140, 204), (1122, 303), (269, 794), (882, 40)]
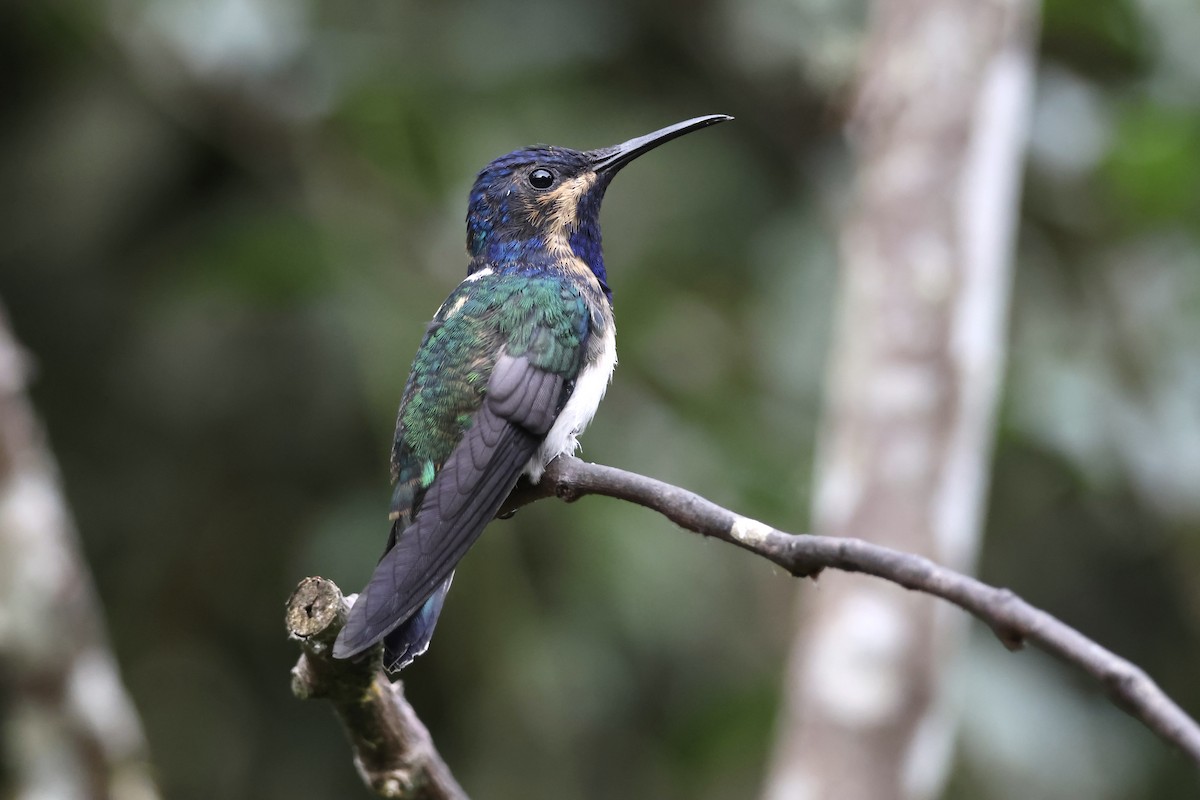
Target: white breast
[(579, 410)]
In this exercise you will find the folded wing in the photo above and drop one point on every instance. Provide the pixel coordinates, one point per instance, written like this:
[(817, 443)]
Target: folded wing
[(519, 407)]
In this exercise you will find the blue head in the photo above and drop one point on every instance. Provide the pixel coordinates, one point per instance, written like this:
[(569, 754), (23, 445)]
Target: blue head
[(539, 205)]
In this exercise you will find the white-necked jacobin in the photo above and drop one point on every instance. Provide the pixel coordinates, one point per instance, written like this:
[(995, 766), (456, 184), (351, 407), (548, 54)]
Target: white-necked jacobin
[(509, 373)]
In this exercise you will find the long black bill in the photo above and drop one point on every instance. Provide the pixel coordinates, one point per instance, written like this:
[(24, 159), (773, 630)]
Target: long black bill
[(611, 159)]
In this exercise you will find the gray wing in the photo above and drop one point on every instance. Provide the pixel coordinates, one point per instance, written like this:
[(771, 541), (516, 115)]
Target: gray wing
[(518, 409)]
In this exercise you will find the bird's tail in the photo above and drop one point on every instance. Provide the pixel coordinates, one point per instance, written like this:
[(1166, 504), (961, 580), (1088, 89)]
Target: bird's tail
[(411, 638)]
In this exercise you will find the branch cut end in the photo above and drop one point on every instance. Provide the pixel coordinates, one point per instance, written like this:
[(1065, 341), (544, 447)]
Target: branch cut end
[(314, 608)]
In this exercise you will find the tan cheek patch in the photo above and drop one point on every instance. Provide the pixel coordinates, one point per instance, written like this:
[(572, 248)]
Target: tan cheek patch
[(561, 205)]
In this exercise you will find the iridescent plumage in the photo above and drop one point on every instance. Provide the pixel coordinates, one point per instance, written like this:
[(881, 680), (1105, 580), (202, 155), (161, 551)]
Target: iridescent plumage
[(509, 373)]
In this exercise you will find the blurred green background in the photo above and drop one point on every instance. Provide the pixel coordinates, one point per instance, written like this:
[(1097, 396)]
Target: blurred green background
[(225, 224)]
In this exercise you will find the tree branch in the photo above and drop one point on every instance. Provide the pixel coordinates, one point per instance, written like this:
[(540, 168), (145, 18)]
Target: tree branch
[(393, 751), (396, 757), (1012, 619)]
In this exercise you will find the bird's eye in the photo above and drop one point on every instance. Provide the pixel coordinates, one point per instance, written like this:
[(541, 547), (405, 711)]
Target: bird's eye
[(541, 178)]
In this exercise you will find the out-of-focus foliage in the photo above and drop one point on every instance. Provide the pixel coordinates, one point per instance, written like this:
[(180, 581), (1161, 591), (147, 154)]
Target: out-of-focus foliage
[(226, 223)]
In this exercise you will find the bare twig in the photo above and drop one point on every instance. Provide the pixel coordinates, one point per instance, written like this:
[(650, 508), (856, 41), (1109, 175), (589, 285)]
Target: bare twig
[(1012, 619), (396, 757), (393, 751)]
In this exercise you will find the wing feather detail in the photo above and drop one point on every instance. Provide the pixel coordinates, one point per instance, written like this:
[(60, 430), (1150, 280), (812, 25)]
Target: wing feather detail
[(519, 407)]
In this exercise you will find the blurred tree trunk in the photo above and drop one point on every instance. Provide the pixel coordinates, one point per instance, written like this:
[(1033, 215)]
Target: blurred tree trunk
[(938, 130), (68, 730)]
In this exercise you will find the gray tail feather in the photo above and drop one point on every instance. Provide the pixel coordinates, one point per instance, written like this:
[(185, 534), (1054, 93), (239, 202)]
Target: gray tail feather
[(411, 638)]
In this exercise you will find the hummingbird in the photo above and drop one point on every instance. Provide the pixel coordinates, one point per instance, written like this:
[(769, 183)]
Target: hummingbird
[(509, 373)]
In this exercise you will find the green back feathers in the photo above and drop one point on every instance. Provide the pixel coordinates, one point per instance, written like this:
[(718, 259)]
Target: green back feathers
[(542, 318)]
